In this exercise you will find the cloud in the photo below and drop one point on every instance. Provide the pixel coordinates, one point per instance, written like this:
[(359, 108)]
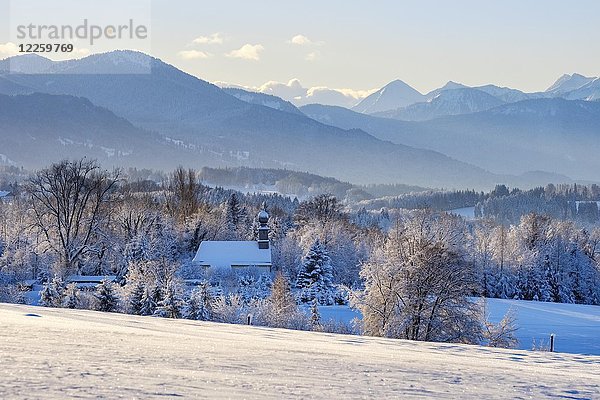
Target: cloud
[(247, 52), (302, 40), (312, 56), (214, 38), (193, 55), (8, 49), (294, 91), (353, 93)]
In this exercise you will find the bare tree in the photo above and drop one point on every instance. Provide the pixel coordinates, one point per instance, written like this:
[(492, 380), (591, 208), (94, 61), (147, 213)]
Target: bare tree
[(68, 200), (182, 193)]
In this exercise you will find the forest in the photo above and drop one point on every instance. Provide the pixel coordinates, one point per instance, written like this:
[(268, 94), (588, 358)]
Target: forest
[(412, 271)]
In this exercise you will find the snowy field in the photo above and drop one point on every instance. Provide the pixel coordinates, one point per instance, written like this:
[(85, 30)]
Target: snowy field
[(60, 353), (576, 327)]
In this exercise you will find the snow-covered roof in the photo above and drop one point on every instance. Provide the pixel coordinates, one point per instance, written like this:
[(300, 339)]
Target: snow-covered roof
[(231, 253)]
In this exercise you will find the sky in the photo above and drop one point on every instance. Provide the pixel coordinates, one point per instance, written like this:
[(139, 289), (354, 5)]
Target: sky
[(362, 45)]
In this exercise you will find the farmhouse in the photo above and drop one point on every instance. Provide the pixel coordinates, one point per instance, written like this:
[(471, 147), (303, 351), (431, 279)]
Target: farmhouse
[(238, 254)]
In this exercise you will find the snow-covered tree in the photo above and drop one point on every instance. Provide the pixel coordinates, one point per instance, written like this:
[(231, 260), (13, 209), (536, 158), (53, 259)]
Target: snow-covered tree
[(171, 304), (68, 200), (501, 334), (52, 293), (235, 217), (315, 276), (135, 299), (230, 309), (148, 301), (71, 296), (199, 305), (106, 297), (280, 309), (315, 316), (418, 281)]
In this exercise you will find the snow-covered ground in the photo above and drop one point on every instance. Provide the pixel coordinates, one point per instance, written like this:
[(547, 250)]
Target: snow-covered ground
[(61, 353), (576, 327), (467, 213)]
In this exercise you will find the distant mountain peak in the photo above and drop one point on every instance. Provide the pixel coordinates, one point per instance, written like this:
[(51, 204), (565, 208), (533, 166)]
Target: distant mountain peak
[(450, 85), (568, 83), (29, 63), (453, 85), (399, 84), (394, 95), (463, 100)]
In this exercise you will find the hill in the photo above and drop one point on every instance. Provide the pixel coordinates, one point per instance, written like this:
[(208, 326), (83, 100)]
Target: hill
[(38, 129), (59, 353), (222, 130), (552, 135)]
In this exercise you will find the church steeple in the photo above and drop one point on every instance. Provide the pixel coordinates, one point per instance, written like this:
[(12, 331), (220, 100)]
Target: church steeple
[(263, 230)]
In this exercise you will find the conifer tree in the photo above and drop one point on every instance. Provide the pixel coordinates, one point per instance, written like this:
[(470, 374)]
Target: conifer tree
[(171, 304), (199, 305), (315, 316), (71, 298), (315, 276), (135, 303), (148, 304), (52, 293), (106, 297), (234, 216)]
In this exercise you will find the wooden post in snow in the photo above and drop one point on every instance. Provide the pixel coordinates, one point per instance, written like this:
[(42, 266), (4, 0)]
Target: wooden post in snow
[(552, 342)]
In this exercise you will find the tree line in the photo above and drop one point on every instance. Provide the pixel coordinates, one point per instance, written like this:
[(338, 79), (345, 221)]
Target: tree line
[(412, 273)]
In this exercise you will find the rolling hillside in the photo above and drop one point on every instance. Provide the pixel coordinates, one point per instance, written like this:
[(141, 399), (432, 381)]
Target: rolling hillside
[(59, 353)]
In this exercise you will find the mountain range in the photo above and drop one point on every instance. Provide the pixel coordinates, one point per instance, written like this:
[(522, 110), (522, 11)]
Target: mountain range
[(555, 135), (209, 125), (400, 101), (141, 111)]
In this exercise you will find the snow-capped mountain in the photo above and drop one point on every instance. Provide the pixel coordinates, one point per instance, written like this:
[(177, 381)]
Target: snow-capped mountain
[(568, 83), (450, 85), (447, 102), (507, 95), (570, 87), (392, 96), (588, 92)]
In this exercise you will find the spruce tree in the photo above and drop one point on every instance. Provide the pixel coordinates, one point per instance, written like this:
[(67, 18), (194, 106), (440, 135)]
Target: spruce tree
[(148, 304), (135, 299), (315, 316), (71, 298), (52, 293), (315, 276), (199, 305), (171, 304), (235, 215), (107, 299)]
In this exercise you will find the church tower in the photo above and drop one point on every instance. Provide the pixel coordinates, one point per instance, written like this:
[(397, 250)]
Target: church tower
[(263, 230)]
